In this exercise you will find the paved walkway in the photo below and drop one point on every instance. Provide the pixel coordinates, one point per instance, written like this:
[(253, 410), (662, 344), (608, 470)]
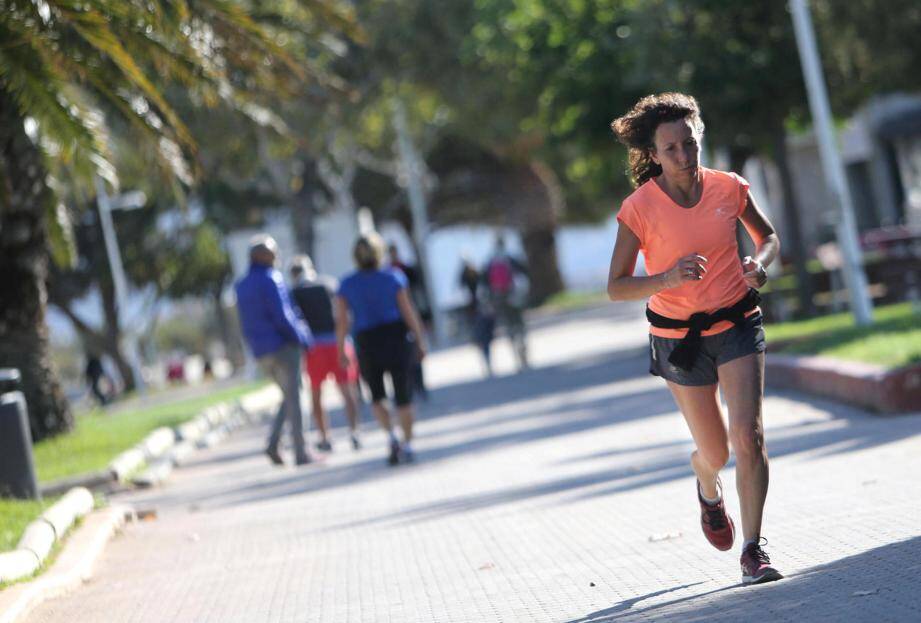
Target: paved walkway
[(562, 494)]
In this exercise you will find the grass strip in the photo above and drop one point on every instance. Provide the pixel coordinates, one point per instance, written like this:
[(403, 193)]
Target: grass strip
[(893, 340), (98, 437), (15, 515)]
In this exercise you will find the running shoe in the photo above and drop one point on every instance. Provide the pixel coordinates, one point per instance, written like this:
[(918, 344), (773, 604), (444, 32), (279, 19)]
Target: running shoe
[(325, 446), (394, 457), (356, 442), (407, 454), (716, 524), (756, 565), (304, 460), (274, 456)]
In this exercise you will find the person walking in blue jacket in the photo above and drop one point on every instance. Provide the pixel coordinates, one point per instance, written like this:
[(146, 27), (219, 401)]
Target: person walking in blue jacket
[(275, 334)]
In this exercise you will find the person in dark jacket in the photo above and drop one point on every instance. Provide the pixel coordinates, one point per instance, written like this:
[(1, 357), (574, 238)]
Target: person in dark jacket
[(313, 294), (276, 335), (375, 302)]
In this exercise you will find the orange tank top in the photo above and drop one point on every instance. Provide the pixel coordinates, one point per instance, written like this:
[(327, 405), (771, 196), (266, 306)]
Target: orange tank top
[(668, 232)]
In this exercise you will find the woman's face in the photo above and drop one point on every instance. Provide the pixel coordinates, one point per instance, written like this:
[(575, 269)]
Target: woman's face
[(676, 149)]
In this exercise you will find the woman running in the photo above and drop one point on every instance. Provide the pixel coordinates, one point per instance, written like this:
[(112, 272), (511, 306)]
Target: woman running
[(375, 303), (706, 328)]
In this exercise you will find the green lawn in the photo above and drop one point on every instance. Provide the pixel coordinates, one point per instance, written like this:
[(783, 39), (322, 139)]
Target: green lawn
[(893, 340), (15, 515), (99, 437)]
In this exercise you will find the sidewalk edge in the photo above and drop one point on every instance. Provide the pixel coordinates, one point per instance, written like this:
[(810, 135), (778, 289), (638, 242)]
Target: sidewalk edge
[(73, 566)]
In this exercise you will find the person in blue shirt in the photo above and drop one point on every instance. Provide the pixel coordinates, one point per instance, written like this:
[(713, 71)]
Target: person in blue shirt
[(375, 305), (275, 335)]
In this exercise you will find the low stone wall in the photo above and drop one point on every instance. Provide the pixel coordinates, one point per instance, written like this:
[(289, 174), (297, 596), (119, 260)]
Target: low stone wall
[(867, 386)]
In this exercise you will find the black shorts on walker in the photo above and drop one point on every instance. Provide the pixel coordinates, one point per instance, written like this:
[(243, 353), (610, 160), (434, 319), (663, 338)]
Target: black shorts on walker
[(385, 349), (715, 350)]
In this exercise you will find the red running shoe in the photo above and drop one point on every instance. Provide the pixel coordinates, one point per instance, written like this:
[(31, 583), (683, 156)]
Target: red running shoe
[(756, 566), (716, 524)]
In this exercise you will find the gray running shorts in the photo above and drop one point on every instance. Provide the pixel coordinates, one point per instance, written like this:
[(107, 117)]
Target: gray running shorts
[(715, 350)]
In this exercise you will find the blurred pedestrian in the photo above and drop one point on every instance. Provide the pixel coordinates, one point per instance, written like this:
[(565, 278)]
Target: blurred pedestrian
[(420, 300), (276, 335), (484, 330), (469, 279), (503, 276), (706, 333), (375, 304), (97, 379), (314, 295)]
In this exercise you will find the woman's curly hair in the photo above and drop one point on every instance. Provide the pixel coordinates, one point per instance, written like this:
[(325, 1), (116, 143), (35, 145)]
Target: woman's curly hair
[(637, 128)]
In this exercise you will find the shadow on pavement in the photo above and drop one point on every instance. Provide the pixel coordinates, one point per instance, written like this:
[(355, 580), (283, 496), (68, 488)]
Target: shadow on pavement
[(848, 431), (879, 584)]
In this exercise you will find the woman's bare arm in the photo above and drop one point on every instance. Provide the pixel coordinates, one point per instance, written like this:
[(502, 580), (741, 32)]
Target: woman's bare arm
[(767, 243), (623, 286), (411, 318)]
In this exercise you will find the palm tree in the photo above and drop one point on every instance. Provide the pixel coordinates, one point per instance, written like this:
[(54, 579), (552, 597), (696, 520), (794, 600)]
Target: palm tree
[(65, 69)]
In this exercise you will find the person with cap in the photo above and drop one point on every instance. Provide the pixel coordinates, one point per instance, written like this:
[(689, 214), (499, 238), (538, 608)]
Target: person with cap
[(275, 335)]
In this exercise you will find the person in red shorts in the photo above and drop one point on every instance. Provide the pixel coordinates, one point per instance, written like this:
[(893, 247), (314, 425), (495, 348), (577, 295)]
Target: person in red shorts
[(706, 335), (313, 295)]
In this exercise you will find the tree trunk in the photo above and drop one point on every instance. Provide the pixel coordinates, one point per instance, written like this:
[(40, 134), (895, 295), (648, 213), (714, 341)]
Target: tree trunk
[(233, 348), (24, 344), (303, 208), (112, 333), (804, 289), (534, 201)]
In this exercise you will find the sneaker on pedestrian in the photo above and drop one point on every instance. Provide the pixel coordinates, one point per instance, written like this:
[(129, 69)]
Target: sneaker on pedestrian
[(394, 457), (407, 453), (715, 523), (756, 565), (274, 456), (325, 446), (304, 460), (356, 442)]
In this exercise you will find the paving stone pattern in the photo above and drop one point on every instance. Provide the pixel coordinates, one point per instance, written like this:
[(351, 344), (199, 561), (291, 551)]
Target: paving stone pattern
[(561, 494)]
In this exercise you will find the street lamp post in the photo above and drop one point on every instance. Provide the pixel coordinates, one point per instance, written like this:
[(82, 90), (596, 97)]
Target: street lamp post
[(413, 169), (127, 201), (854, 276)]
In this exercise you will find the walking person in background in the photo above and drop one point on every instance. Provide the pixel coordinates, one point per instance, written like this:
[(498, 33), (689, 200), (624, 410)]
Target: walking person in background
[(507, 297), (314, 295), (95, 375), (375, 305), (706, 333), (417, 296), (480, 316), (275, 335)]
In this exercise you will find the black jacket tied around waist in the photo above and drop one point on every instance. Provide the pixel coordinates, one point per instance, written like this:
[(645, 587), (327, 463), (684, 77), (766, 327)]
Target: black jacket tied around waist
[(685, 353)]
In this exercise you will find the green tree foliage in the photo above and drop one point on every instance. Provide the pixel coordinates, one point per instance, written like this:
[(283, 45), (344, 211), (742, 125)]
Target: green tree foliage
[(66, 69)]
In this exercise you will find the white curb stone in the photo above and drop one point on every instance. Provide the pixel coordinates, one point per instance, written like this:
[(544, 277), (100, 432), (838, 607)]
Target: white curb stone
[(158, 471), (40, 535), (158, 442), (127, 462)]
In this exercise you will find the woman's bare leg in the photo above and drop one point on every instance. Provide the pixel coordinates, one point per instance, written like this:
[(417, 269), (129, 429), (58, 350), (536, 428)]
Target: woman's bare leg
[(319, 415), (742, 383), (701, 410), (351, 405), (407, 415)]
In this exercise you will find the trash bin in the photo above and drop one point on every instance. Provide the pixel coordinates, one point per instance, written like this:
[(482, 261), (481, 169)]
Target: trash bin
[(17, 469)]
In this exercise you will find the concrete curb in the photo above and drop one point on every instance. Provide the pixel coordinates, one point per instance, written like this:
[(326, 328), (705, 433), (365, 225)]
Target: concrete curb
[(868, 386), (204, 430), (166, 448), (73, 567), (40, 535)]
